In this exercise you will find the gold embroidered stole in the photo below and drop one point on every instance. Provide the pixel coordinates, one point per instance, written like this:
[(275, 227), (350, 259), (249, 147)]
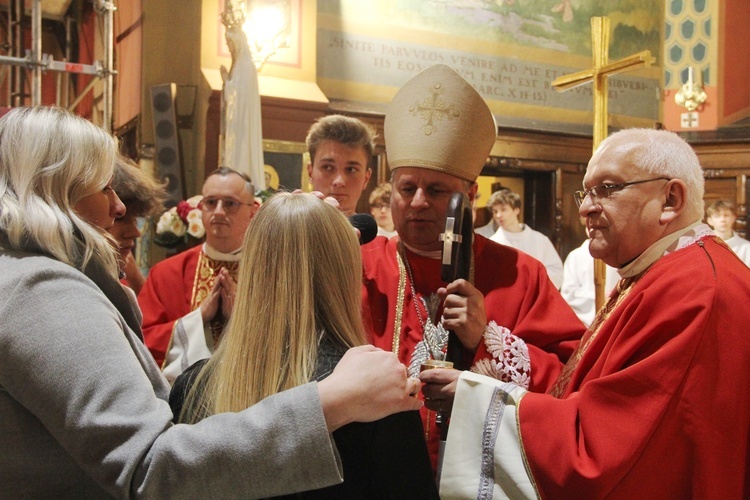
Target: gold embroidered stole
[(205, 276), (621, 291)]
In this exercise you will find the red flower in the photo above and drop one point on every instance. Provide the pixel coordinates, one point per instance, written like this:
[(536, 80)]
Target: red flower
[(183, 208)]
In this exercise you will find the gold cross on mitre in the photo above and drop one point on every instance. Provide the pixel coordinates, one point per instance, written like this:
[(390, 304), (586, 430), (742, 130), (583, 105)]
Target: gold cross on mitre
[(598, 76), (433, 109)]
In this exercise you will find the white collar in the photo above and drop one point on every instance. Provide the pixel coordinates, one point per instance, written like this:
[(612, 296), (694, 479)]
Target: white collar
[(666, 245), (214, 254)]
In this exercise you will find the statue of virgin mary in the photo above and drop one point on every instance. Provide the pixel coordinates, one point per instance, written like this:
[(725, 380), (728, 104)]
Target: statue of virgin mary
[(242, 147)]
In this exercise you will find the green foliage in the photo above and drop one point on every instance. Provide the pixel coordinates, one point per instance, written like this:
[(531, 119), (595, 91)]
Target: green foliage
[(265, 194)]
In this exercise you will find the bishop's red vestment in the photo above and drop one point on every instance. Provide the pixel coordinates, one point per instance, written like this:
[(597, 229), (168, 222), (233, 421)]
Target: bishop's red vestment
[(518, 296)]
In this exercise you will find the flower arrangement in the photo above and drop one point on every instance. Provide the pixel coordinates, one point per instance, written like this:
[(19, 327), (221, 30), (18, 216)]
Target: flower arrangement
[(181, 224)]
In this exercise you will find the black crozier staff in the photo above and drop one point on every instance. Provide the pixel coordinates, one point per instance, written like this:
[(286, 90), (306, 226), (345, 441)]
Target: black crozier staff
[(456, 264)]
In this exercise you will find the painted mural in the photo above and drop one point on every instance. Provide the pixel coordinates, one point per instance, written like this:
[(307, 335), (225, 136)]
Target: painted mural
[(510, 50)]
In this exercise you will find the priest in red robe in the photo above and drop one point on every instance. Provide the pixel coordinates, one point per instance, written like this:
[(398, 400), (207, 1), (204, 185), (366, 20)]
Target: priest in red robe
[(655, 401), (512, 322), (187, 299)]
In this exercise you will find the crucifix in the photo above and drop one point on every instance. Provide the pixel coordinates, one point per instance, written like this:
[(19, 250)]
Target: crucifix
[(598, 76)]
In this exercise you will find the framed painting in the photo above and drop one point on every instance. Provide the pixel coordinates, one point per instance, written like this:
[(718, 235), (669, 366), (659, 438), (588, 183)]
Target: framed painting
[(285, 165)]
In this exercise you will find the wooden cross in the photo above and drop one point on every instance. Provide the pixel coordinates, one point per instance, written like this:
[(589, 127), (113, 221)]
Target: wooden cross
[(598, 76)]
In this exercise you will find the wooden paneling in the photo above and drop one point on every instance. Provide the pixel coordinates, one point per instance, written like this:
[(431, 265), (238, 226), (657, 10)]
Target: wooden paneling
[(726, 165), (282, 120), (287, 119), (723, 156), (553, 163), (539, 150)]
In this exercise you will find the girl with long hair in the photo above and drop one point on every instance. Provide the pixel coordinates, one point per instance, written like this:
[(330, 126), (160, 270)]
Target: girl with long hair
[(297, 311)]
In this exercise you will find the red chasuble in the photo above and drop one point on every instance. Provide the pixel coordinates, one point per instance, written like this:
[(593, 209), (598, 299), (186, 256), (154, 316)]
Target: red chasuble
[(658, 405), (166, 297), (175, 287), (518, 295)]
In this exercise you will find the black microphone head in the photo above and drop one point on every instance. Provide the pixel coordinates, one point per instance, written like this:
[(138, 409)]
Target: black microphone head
[(367, 226)]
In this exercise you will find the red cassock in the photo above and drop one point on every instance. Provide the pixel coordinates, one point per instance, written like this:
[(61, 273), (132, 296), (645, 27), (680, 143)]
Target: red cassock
[(166, 297), (658, 405), (518, 295)]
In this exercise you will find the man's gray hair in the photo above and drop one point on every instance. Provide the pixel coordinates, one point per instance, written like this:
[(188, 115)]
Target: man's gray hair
[(660, 153)]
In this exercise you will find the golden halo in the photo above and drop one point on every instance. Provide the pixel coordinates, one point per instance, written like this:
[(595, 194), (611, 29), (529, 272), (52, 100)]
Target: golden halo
[(272, 177)]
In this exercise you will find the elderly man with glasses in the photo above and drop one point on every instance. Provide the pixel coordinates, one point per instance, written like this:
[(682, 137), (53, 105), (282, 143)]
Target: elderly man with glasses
[(188, 298), (652, 403)]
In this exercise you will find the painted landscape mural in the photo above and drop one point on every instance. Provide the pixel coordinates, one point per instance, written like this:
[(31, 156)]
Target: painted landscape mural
[(510, 50)]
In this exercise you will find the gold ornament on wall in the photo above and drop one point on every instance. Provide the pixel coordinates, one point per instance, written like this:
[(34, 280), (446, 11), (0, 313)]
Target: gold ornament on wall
[(691, 94)]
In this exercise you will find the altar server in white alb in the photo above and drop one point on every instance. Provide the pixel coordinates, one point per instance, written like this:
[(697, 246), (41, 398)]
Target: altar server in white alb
[(721, 216), (506, 209)]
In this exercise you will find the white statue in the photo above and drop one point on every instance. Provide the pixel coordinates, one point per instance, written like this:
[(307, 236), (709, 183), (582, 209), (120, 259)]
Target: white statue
[(242, 147)]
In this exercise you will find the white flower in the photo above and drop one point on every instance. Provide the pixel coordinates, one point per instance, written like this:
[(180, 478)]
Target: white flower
[(194, 200), (196, 229), (195, 215), (195, 223), (172, 229), (165, 221), (177, 227)]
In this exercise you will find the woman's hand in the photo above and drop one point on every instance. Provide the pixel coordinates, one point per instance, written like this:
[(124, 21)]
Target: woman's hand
[(367, 385)]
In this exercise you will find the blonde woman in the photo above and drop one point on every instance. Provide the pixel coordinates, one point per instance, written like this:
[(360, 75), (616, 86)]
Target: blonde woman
[(83, 410), (297, 311)]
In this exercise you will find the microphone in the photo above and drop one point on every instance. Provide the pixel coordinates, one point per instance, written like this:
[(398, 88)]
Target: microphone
[(367, 226)]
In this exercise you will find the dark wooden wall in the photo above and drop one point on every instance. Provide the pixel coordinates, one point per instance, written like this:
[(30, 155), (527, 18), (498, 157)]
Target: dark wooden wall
[(725, 158), (551, 164)]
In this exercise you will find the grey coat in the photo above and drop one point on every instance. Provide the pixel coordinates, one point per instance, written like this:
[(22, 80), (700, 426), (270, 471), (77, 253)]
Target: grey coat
[(83, 409)]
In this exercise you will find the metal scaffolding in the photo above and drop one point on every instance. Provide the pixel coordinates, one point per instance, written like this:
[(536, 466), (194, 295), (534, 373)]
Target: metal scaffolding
[(32, 60)]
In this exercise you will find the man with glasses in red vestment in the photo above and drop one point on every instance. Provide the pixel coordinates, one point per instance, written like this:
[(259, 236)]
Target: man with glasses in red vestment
[(188, 298), (652, 403)]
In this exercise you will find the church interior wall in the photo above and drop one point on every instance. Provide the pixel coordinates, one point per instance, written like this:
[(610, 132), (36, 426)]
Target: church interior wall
[(340, 66), (286, 119), (171, 54)]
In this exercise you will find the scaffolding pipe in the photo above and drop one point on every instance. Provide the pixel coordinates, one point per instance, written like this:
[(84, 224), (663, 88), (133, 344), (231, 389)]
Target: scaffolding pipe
[(9, 45), (107, 9), (58, 88), (68, 56), (18, 75), (36, 53), (36, 62)]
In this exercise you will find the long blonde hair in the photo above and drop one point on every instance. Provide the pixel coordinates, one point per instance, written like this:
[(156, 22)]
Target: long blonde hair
[(300, 278), (49, 160)]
